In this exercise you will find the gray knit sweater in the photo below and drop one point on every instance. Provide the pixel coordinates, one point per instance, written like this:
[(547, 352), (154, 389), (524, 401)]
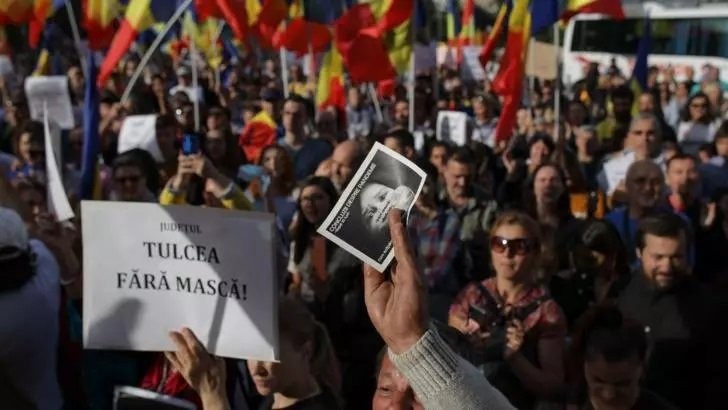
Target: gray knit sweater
[(443, 380)]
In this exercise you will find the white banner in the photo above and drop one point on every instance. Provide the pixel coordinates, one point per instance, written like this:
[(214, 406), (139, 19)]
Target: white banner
[(471, 68), (139, 131), (452, 126), (57, 199), (52, 90), (151, 269)]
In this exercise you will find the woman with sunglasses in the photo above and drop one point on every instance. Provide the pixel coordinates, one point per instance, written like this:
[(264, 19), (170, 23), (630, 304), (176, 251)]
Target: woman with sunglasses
[(515, 329), (698, 125)]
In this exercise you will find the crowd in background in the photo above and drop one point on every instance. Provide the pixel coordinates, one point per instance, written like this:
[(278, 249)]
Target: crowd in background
[(568, 289)]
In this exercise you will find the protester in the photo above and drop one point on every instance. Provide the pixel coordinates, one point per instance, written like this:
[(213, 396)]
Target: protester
[(273, 190), (30, 300), (597, 260), (306, 152), (698, 125), (305, 377), (612, 353), (519, 334), (686, 365), (345, 160)]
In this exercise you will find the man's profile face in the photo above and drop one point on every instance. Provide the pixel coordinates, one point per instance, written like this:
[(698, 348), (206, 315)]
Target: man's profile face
[(613, 385), (664, 260)]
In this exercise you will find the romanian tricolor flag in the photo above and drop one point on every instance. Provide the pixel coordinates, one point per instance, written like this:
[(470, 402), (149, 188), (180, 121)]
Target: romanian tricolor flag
[(361, 33), (612, 8), (140, 15), (470, 33), (508, 82), (257, 134), (453, 22), (99, 17), (501, 21), (42, 10), (234, 12), (330, 90)]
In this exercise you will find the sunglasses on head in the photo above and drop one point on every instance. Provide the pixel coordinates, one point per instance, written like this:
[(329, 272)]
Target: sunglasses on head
[(518, 246)]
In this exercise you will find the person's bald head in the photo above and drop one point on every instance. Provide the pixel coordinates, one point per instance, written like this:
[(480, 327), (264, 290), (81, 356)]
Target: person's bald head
[(645, 182), (345, 160)]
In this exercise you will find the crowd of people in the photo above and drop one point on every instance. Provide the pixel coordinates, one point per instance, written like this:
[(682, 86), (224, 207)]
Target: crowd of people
[(576, 264)]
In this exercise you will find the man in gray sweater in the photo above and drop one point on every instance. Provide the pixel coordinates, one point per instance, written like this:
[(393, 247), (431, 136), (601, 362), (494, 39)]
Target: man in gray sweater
[(397, 307)]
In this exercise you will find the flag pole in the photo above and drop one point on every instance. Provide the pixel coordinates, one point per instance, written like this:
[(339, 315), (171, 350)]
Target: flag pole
[(155, 44), (557, 86), (195, 83), (76, 35), (375, 99), (411, 85), (284, 71)]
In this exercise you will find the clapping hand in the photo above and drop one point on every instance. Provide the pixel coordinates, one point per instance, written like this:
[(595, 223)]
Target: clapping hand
[(397, 307)]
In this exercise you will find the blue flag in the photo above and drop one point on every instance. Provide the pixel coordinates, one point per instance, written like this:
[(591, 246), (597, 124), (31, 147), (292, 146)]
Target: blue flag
[(639, 73), (544, 14), (90, 184)]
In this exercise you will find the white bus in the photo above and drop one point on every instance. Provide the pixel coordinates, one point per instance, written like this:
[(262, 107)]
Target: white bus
[(681, 38)]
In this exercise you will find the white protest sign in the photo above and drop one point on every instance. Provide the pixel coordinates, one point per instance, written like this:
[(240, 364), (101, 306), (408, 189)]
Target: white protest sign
[(57, 199), (471, 67), (541, 61), (52, 90), (139, 131), (452, 127), (150, 269), (615, 170)]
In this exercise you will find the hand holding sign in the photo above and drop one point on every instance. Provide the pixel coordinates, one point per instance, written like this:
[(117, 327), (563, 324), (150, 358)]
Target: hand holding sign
[(397, 308), (202, 371)]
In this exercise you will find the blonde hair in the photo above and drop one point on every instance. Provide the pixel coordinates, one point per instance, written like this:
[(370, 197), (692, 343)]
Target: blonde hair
[(299, 326)]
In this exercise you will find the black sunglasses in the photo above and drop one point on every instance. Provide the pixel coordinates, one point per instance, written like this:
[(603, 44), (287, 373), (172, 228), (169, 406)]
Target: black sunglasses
[(518, 246)]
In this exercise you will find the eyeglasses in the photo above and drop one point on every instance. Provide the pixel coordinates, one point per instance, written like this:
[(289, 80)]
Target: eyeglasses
[(131, 178), (518, 246)]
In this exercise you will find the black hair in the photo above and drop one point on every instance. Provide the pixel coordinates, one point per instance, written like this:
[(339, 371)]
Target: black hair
[(663, 225), (563, 206), (722, 131), (541, 137), (305, 229), (707, 118), (623, 92), (600, 236), (611, 337), (679, 157), (463, 155), (440, 144), (142, 160), (16, 270), (403, 137)]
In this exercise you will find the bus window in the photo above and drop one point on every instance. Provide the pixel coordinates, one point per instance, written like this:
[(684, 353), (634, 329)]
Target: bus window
[(682, 37)]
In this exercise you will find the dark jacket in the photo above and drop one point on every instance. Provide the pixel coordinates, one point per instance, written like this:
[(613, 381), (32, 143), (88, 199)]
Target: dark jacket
[(686, 329)]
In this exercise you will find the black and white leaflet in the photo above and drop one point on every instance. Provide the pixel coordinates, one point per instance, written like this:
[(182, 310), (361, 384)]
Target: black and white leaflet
[(358, 221)]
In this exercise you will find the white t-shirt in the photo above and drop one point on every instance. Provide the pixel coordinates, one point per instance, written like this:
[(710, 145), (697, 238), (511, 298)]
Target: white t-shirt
[(29, 334), (691, 135)]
